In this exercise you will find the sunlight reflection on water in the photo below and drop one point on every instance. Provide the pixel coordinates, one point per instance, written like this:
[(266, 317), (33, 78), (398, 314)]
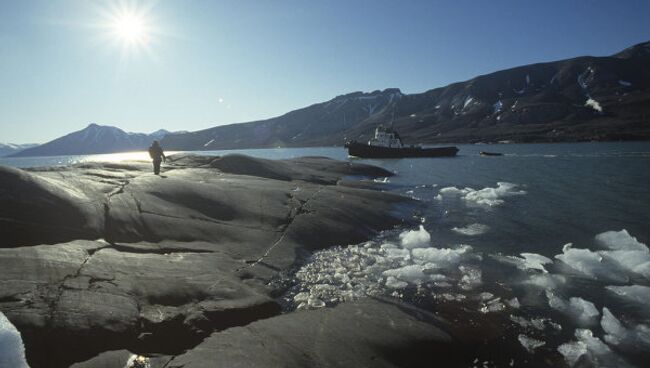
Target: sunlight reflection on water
[(123, 156)]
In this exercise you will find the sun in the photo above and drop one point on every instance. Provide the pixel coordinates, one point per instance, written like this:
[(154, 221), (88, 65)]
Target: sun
[(130, 28)]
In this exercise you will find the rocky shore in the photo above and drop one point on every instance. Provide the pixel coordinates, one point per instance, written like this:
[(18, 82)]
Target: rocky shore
[(100, 261)]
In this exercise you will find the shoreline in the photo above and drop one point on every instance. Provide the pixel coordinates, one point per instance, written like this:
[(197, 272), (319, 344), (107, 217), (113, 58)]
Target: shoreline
[(101, 257)]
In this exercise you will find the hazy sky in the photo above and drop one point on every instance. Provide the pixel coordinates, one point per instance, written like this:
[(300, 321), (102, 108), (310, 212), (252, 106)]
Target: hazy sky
[(194, 64)]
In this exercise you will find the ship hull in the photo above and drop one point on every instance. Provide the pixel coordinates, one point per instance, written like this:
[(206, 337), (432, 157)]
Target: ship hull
[(367, 151)]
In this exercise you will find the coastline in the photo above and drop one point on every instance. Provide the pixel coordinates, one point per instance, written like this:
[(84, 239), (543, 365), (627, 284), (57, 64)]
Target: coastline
[(101, 257)]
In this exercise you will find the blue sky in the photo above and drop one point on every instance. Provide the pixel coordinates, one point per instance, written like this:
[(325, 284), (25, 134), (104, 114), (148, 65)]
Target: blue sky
[(209, 62)]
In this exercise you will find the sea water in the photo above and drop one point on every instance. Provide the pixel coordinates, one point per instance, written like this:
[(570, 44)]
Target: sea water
[(540, 254)]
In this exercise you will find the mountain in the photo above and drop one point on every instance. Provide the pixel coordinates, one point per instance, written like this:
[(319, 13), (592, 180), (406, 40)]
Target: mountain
[(584, 98), (9, 148), (94, 139)]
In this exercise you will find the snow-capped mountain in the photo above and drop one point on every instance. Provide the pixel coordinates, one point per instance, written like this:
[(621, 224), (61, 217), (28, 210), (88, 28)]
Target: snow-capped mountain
[(584, 98), (9, 148), (94, 139)]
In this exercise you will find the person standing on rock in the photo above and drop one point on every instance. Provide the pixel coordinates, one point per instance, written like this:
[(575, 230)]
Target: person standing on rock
[(157, 154)]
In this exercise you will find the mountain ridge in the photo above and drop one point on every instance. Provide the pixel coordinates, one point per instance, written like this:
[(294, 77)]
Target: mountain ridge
[(94, 139), (578, 99), (601, 98)]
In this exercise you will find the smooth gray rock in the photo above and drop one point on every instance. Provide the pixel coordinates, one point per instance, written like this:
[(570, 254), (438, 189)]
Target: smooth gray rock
[(366, 333), (100, 257)]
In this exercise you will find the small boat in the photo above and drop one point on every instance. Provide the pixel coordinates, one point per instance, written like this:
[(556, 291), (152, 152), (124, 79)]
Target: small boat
[(484, 153), (387, 144)]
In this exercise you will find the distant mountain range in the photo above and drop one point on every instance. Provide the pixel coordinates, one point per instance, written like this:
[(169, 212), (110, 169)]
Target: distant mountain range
[(92, 140), (9, 148), (580, 99), (584, 98)]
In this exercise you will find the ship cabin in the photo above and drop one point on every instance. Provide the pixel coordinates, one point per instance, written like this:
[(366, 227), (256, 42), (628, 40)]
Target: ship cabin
[(385, 137)]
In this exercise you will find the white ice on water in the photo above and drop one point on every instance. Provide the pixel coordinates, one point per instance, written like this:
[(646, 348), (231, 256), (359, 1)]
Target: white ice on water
[(580, 310), (624, 257), (618, 335), (346, 273), (594, 104), (486, 197), (638, 294), (415, 239), (471, 229), (596, 352), (529, 343), (619, 240), (410, 261), (527, 261), (12, 350)]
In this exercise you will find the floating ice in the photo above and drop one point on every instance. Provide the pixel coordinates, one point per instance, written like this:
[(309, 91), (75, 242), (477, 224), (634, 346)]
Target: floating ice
[(539, 324), (472, 229), (411, 274), (624, 83), (375, 268), (441, 257), (394, 283), (415, 238), (617, 334), (620, 240), (630, 261), (472, 277), (527, 261), (546, 281), (635, 293), (582, 311), (596, 351), (493, 305), (12, 350), (591, 264), (594, 105), (625, 258), (529, 343), (486, 196)]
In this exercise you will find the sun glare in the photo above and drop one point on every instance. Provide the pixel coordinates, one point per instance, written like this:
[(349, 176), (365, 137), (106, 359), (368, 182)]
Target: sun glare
[(130, 28)]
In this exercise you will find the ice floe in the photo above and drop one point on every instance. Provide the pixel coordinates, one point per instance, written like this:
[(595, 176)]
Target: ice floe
[(471, 229), (529, 343), (487, 196), (594, 350), (374, 268), (408, 264), (594, 104), (582, 311), (546, 281), (634, 293), (539, 324), (527, 261), (619, 240), (618, 335), (627, 257), (415, 238), (12, 350)]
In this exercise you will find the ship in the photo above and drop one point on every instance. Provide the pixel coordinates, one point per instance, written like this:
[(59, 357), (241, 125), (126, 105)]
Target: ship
[(387, 144)]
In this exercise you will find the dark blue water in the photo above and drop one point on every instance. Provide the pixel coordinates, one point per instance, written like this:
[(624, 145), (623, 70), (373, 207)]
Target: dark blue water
[(481, 213)]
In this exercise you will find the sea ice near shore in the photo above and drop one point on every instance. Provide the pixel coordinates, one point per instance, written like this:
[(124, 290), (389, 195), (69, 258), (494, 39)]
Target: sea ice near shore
[(12, 351)]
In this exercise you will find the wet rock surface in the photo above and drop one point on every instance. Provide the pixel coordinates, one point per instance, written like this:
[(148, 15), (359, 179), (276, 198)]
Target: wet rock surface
[(99, 260)]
